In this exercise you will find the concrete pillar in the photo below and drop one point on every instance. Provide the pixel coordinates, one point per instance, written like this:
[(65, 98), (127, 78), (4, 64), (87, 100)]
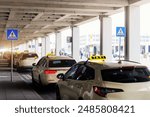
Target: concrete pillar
[(26, 44), (48, 48), (132, 41), (29, 46), (75, 43), (106, 37), (22, 47), (33, 46), (43, 46), (58, 43), (38, 47)]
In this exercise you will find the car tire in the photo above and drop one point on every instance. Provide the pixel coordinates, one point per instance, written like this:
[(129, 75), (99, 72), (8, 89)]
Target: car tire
[(58, 96), (80, 98), (33, 81), (18, 68), (40, 82)]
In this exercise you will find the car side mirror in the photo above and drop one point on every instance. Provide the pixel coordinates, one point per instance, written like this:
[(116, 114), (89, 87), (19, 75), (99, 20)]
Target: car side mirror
[(34, 64), (61, 76)]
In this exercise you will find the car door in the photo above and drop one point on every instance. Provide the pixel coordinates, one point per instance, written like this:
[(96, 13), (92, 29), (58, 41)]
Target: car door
[(83, 82), (65, 86), (36, 69)]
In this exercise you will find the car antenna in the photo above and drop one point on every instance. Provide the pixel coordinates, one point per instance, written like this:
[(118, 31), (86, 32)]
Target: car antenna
[(86, 61)]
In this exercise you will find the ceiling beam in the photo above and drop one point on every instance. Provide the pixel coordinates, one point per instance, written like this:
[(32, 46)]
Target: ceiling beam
[(34, 19), (11, 17), (115, 3), (61, 18), (39, 23), (73, 12), (56, 7)]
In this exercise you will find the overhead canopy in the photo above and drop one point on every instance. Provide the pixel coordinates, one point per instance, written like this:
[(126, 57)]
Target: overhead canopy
[(36, 18)]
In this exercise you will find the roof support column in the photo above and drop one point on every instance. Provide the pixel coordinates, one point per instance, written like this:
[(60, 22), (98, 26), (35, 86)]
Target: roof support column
[(38, 47), (44, 46), (26, 45), (132, 41), (58, 43), (29, 46), (75, 43), (33, 45), (48, 48), (22, 47), (106, 37)]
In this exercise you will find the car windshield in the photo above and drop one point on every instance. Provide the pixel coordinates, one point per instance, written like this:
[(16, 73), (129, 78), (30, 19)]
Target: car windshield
[(126, 75), (29, 55), (61, 63)]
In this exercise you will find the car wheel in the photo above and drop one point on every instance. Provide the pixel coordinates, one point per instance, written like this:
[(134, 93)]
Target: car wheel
[(80, 98), (40, 82), (58, 97), (18, 68), (33, 81)]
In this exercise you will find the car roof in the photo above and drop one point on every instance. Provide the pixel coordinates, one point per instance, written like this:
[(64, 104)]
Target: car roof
[(28, 53), (113, 64), (59, 58)]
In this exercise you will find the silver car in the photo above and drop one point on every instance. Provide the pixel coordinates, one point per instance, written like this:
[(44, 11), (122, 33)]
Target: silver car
[(25, 60), (46, 70), (104, 80)]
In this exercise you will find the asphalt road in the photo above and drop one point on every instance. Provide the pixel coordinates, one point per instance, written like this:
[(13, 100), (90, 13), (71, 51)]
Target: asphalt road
[(46, 93)]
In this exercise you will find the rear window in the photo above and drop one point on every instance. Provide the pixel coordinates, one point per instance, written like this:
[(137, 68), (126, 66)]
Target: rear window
[(61, 63), (126, 75), (29, 55)]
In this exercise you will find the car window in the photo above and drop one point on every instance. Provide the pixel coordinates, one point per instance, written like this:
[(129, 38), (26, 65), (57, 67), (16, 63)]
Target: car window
[(40, 61), (44, 63), (71, 73), (61, 63), (128, 75), (85, 73), (29, 55), (80, 72)]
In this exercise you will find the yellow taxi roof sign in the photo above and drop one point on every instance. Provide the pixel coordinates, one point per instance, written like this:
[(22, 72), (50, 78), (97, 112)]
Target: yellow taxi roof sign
[(97, 57), (49, 54)]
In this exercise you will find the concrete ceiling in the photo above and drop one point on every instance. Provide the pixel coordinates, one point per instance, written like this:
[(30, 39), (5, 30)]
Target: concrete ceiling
[(36, 18)]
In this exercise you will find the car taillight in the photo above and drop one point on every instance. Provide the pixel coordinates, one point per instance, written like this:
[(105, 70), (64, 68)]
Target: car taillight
[(102, 91), (50, 71)]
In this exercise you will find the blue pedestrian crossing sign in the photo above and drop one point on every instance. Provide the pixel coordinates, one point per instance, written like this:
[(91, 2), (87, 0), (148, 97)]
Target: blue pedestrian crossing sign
[(12, 34), (120, 31)]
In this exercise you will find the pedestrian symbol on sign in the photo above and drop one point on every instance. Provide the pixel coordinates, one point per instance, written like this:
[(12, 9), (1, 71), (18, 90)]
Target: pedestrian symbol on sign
[(12, 35), (120, 31)]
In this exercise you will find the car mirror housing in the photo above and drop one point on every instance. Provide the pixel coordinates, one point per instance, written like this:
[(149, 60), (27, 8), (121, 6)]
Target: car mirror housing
[(61, 76), (34, 64)]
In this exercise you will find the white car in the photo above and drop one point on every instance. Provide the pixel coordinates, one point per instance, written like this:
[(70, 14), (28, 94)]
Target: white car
[(46, 70), (104, 80), (25, 60)]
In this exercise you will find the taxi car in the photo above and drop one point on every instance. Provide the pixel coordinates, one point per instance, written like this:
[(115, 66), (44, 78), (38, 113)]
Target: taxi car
[(98, 79), (47, 68), (25, 60)]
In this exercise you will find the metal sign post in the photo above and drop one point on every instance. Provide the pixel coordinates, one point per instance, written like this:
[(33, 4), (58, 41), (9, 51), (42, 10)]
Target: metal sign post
[(119, 47), (120, 32), (11, 61), (12, 34)]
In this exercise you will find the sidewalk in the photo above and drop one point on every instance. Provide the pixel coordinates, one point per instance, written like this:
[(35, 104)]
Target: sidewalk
[(16, 90)]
